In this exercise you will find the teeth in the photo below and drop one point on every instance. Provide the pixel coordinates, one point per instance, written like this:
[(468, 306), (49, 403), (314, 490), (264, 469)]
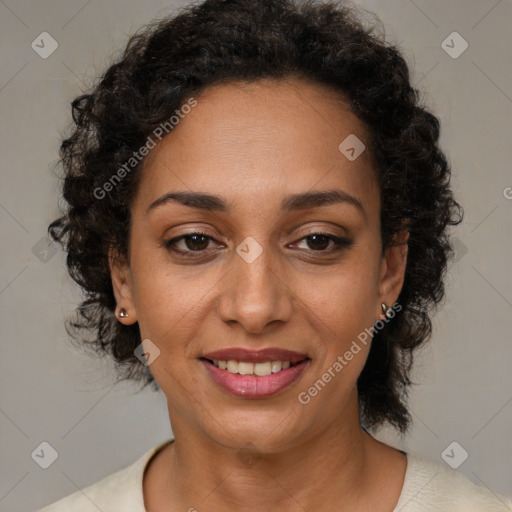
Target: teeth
[(276, 366), (245, 368), (232, 366), (262, 369)]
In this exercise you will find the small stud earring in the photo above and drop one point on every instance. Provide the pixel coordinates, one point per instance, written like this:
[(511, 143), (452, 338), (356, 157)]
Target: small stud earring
[(386, 310), (123, 313)]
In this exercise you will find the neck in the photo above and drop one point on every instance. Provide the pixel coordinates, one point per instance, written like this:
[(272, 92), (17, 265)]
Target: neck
[(330, 470)]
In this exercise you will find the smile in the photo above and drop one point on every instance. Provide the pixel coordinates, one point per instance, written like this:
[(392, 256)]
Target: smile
[(254, 374), (259, 369)]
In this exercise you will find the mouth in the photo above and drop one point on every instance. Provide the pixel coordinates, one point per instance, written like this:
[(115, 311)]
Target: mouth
[(254, 374)]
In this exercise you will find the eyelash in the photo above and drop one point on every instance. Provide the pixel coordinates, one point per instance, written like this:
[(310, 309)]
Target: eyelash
[(340, 244)]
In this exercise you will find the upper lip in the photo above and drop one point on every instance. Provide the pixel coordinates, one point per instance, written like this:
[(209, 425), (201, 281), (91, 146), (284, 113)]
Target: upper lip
[(255, 356)]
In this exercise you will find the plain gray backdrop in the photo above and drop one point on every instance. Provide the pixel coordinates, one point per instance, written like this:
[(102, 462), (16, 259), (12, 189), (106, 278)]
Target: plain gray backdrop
[(52, 393)]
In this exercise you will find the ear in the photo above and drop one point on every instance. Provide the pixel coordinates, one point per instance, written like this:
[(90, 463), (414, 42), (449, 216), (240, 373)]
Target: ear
[(392, 271), (122, 284)]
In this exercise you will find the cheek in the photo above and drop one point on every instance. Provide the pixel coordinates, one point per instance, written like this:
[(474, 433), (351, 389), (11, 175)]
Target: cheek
[(166, 298), (344, 312), (167, 312), (344, 299)]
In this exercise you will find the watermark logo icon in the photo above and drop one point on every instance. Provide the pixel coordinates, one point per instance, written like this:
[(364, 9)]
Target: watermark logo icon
[(249, 455), (454, 45), (45, 455), (460, 250), (44, 249), (44, 45), (351, 147), (249, 249), (147, 352), (454, 455)]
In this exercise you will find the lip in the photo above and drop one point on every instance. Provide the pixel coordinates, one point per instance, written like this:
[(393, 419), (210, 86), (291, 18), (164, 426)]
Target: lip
[(255, 356), (252, 386)]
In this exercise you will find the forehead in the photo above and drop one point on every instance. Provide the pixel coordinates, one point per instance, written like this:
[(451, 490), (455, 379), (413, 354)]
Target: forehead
[(265, 139)]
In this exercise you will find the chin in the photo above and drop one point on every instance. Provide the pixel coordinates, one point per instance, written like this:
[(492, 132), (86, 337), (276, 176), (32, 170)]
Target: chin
[(263, 432)]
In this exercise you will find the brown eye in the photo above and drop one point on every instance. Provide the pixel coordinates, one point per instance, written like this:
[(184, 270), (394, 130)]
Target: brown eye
[(319, 242), (196, 242), (192, 242)]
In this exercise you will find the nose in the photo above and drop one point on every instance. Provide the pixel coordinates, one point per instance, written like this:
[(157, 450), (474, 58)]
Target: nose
[(255, 293)]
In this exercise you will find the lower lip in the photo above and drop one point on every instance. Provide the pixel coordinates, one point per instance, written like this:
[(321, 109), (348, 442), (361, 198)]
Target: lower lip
[(252, 386)]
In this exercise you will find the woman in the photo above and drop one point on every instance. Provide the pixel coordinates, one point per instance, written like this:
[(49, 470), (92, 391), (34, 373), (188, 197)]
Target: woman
[(258, 212)]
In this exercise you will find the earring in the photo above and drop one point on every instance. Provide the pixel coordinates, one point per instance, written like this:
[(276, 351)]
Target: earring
[(123, 313), (386, 310)]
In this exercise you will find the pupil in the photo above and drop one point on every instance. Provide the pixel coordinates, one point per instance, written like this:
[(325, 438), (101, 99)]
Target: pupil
[(194, 239), (321, 237)]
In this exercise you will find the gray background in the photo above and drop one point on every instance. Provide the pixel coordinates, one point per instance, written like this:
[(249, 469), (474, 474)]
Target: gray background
[(50, 392)]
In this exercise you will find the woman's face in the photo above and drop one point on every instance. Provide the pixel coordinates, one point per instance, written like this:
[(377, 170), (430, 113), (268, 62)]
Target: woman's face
[(257, 282)]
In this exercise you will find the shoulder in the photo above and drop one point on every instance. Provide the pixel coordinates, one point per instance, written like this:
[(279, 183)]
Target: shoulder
[(431, 487), (121, 490), (106, 495)]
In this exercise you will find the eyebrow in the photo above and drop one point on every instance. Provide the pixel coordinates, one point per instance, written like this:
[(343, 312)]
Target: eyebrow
[(293, 202)]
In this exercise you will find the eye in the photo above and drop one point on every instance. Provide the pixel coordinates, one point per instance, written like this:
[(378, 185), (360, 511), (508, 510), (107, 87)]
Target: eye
[(195, 244), (319, 242)]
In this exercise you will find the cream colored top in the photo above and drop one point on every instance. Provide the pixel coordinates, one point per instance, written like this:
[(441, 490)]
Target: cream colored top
[(428, 487)]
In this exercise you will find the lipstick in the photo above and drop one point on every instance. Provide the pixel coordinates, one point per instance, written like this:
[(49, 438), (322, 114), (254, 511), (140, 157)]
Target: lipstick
[(254, 374)]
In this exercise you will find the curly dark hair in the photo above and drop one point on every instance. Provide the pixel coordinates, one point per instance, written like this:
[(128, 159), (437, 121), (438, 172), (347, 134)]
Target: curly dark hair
[(218, 41)]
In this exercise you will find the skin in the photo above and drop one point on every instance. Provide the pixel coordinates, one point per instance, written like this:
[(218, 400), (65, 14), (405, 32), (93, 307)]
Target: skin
[(254, 144)]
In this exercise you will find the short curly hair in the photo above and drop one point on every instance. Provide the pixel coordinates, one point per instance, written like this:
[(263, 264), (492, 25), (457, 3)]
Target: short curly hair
[(220, 41)]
